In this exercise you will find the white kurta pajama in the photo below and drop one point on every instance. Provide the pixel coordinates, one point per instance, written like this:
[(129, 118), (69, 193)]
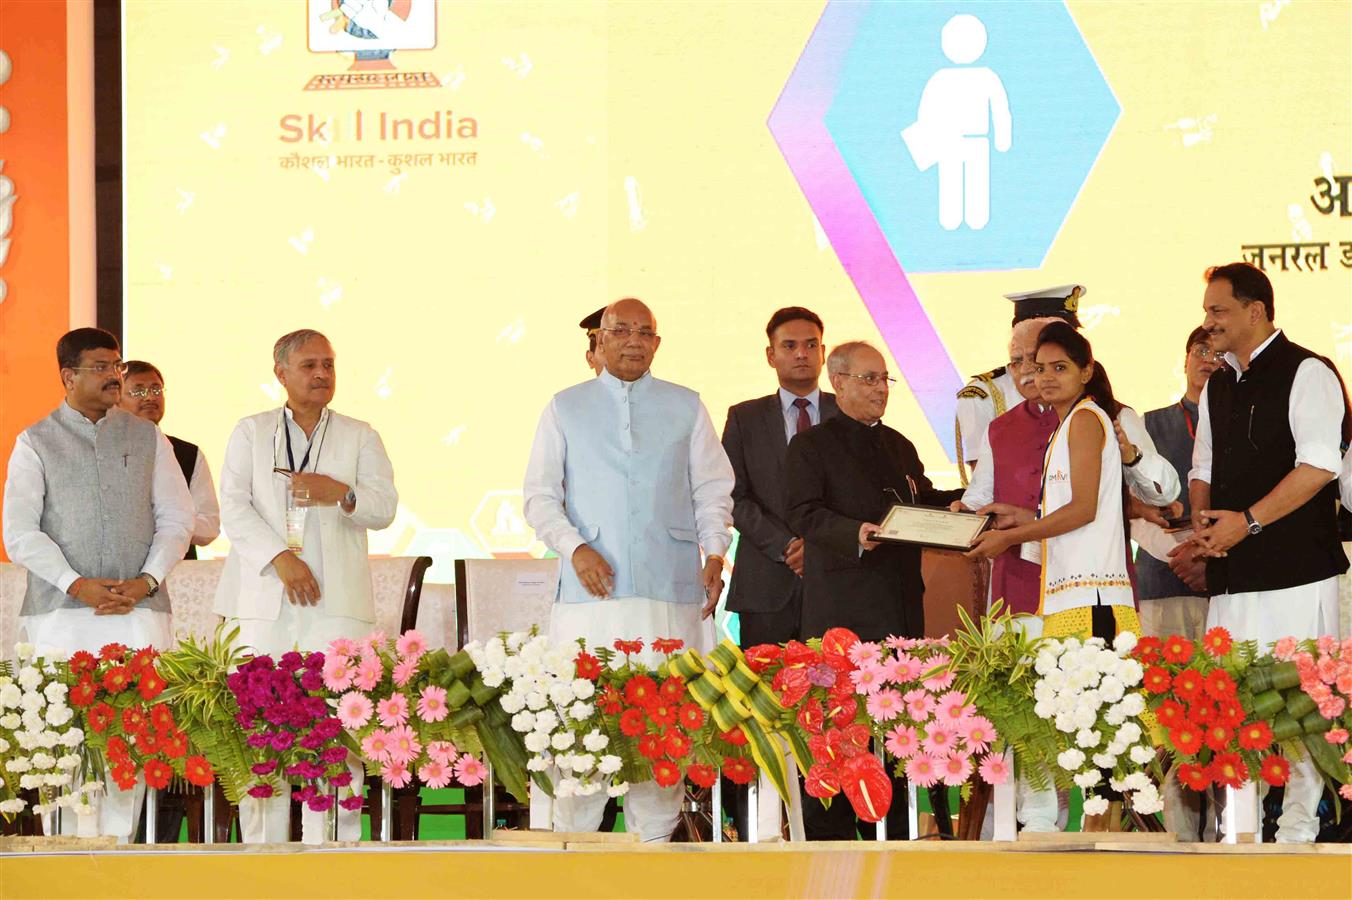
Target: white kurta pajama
[(253, 513), (624, 439), (1315, 411)]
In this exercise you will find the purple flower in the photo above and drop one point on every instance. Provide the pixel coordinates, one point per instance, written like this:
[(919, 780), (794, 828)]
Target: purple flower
[(342, 779), (333, 754), (822, 675), (315, 661), (261, 791), (264, 768), (282, 740), (321, 803), (245, 721), (312, 680), (352, 803), (260, 739), (292, 662), (312, 741), (304, 794)]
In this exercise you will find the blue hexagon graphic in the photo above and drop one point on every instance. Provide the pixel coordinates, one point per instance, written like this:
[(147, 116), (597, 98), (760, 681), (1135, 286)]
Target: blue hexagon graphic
[(999, 207)]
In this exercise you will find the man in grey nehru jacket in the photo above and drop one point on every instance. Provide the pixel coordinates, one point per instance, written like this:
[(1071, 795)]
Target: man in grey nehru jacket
[(97, 511)]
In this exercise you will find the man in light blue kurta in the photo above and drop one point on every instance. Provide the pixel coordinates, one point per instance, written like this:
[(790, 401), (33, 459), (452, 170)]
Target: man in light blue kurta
[(628, 482)]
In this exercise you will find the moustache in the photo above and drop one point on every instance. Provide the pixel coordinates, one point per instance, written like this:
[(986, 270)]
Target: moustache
[(116, 384)]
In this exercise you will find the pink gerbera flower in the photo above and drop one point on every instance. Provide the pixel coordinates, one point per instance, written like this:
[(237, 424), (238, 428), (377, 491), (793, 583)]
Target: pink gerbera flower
[(404, 744), (919, 704), (902, 742), (469, 771), (435, 774), (885, 705), (393, 711), (865, 651), (939, 739), (952, 708), (411, 644), (868, 678), (404, 671), (354, 710), (432, 704), (903, 668), (376, 745), (373, 641), (443, 752), (369, 672), (922, 770), (396, 774), (956, 769), (900, 643), (978, 732), (941, 681), (337, 673), (994, 769), (342, 647)]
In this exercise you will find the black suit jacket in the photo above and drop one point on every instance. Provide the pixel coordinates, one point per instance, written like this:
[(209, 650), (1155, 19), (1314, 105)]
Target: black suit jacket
[(756, 445), (837, 476)]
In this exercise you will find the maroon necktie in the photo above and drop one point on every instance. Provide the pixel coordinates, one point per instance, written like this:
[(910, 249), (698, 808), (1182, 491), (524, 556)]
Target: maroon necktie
[(804, 420)]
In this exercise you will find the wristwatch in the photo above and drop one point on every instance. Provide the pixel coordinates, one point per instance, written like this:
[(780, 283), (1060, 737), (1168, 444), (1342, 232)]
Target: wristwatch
[(154, 585), (1254, 526), (350, 499)]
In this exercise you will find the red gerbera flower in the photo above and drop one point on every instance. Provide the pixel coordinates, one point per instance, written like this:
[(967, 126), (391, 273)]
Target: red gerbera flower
[(701, 775), (1220, 685), (116, 679), (198, 771), (633, 722), (811, 716), (611, 702), (100, 716), (152, 685), (675, 743), (650, 745), (158, 774), (1147, 650), (588, 666), (1177, 649), (147, 742), (1255, 736), (162, 717), (1186, 738), (1229, 713), (640, 691), (662, 714), (1188, 684), (763, 656), (84, 693), (133, 720), (628, 646), (112, 652), (667, 646), (1171, 713), (124, 773), (117, 749), (142, 661), (1228, 769), (672, 689), (734, 736), (1193, 777), (738, 770), (1217, 641), (175, 745), (1157, 680), (691, 716), (1218, 737), (666, 773), (1202, 713), (82, 662), (1275, 770)]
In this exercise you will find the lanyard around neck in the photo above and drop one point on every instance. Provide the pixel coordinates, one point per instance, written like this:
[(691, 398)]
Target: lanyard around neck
[(1187, 418), (1047, 454), (290, 456)]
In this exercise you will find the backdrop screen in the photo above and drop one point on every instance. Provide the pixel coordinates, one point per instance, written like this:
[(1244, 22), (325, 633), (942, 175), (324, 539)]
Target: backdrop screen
[(445, 189)]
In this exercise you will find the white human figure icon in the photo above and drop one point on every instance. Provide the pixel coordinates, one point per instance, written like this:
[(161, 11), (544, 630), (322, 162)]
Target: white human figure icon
[(958, 109)]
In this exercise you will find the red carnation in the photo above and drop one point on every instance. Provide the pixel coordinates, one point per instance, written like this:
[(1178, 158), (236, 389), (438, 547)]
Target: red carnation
[(738, 770), (650, 745), (1275, 770), (1228, 769), (1217, 641), (1186, 738), (101, 715), (158, 774), (667, 646), (116, 679), (662, 714), (675, 744), (611, 702), (1177, 649), (84, 693), (1157, 680), (1171, 713), (1188, 684), (763, 656), (633, 722), (666, 773), (1220, 685), (1147, 650), (672, 689), (133, 720), (1218, 737), (198, 771), (691, 716), (701, 775), (588, 666), (1255, 736), (734, 736), (112, 652), (811, 717), (82, 662), (640, 691), (1193, 777)]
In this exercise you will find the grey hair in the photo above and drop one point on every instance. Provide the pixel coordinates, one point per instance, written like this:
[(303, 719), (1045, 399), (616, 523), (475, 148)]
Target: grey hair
[(839, 360), (288, 342)]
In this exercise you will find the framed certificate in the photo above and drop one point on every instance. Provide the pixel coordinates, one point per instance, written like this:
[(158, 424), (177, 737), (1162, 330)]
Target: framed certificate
[(930, 526)]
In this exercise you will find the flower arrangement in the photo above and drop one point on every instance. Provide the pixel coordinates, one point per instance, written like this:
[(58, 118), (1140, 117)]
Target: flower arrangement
[(1088, 690), (41, 743)]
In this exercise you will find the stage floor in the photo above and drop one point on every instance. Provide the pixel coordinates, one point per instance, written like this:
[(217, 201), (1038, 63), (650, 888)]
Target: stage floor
[(556, 869)]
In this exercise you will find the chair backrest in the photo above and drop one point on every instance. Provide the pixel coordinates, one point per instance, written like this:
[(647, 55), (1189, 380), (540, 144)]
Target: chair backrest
[(396, 588), (436, 616), (13, 584), (192, 594), (495, 595)]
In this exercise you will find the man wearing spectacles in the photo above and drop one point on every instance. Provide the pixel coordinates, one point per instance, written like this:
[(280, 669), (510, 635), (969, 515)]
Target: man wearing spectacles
[(97, 512), (143, 395)]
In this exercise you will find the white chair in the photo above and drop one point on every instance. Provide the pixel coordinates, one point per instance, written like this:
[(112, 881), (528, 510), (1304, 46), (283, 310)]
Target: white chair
[(192, 594), (436, 616), (13, 584), (497, 595), (396, 591)]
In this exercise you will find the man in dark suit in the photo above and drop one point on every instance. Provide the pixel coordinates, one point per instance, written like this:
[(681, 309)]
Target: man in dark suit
[(766, 589), (840, 479)]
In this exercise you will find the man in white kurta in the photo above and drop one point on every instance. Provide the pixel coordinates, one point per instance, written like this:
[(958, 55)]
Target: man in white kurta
[(627, 482), (1262, 491), (97, 511), (283, 599)]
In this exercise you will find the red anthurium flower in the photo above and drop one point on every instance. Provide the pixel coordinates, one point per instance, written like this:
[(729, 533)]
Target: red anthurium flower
[(633, 722), (82, 662), (811, 717), (821, 781), (611, 702), (662, 714), (158, 774), (1193, 777), (1177, 649), (1255, 736), (734, 736), (701, 775), (198, 771), (1157, 680), (836, 644), (640, 691), (101, 715), (842, 710), (1275, 770), (854, 740), (823, 749), (116, 679), (1218, 737), (162, 717), (1217, 641), (133, 720), (667, 646), (738, 770), (666, 773), (1186, 738), (650, 745), (1171, 713), (763, 656), (1228, 769), (175, 745), (799, 655), (1147, 650), (588, 666), (84, 693), (865, 782), (672, 690), (1188, 684), (691, 716), (675, 743), (1220, 685), (1229, 713), (791, 685), (112, 652)]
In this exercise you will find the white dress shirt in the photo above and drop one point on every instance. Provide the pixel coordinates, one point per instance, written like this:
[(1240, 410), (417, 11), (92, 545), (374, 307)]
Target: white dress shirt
[(814, 410), (207, 521), (28, 546)]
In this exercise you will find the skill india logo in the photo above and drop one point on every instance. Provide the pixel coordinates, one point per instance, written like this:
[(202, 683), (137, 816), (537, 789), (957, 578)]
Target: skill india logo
[(371, 30)]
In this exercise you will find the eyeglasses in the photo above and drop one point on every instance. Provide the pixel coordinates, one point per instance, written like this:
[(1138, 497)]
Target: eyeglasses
[(141, 393), (1202, 351), (102, 368), (623, 332), (872, 379)]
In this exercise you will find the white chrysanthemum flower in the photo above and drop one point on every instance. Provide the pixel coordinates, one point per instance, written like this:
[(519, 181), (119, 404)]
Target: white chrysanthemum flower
[(1125, 642), (537, 742), (1042, 691), (1087, 738), (1105, 661), (516, 639), (495, 651), (1084, 717), (1044, 709), (1137, 781), (32, 700), (1046, 663), (1117, 746), (1071, 759), (1065, 722), (1105, 760), (584, 762), (1129, 733), (580, 712), (1132, 705), (69, 761), (523, 721), (23, 650), (537, 764), (43, 760), (595, 741), (1058, 680), (1111, 688), (1141, 754), (1095, 806), (618, 790), (494, 676), (60, 779), (48, 739), (546, 720), (9, 807), (1131, 672), (562, 740), (583, 689), (1088, 778), (1115, 714), (561, 693), (609, 765), (1147, 802), (536, 700), (59, 715), (30, 781), (512, 702), (55, 692), (9, 696)]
